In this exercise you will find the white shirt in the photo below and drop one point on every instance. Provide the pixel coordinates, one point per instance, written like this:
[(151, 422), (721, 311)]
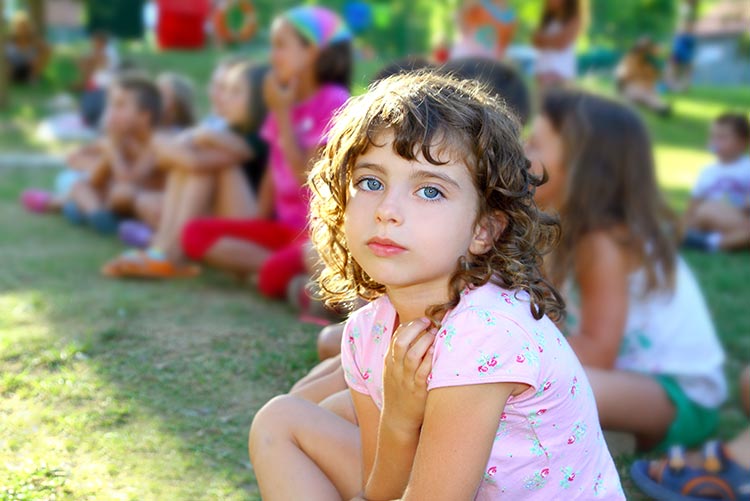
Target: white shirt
[(669, 333), (729, 182), (559, 61)]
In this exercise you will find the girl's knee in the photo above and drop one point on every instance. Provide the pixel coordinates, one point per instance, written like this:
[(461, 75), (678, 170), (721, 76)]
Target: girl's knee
[(271, 423), (329, 341)]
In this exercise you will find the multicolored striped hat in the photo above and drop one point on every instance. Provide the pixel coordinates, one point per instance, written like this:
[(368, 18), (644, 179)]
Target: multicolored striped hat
[(318, 25)]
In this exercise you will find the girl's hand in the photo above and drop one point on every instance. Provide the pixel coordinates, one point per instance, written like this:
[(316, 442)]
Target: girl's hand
[(279, 97), (408, 363)]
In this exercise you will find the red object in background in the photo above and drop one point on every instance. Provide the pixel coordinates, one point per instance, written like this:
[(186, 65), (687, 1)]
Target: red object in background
[(181, 23)]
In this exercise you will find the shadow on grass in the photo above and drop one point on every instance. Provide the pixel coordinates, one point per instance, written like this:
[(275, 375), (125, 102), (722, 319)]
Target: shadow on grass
[(193, 360)]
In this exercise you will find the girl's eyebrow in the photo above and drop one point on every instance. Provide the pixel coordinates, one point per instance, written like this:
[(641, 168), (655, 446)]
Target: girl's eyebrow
[(428, 174), (369, 165), (418, 175)]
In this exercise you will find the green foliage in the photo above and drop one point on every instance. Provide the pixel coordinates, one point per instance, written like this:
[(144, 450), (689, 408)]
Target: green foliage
[(619, 24)]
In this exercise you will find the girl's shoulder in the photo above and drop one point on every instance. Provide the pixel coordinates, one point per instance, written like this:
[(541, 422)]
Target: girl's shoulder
[(492, 306), (371, 312)]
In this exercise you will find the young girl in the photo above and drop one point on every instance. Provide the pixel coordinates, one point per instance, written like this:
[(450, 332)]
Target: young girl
[(641, 326), (423, 204), (210, 171), (311, 69), (555, 39), (177, 97)]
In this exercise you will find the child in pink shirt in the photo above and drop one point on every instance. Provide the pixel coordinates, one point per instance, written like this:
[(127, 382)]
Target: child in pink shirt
[(309, 79), (462, 385)]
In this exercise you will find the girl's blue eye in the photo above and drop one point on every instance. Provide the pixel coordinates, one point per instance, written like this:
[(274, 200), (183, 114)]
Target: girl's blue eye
[(429, 193), (370, 184)]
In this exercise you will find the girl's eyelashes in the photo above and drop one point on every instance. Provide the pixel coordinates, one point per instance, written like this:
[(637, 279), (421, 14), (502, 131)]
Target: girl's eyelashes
[(430, 193), (369, 184)]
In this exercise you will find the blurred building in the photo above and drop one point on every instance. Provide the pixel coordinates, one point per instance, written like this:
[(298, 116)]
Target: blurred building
[(723, 44)]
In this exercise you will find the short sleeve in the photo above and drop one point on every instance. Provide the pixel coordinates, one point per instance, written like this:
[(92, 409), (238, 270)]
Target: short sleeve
[(351, 349), (331, 99), (477, 346), (701, 185)]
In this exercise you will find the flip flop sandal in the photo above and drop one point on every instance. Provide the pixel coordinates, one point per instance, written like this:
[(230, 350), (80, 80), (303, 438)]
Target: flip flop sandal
[(36, 201), (150, 264), (720, 478)]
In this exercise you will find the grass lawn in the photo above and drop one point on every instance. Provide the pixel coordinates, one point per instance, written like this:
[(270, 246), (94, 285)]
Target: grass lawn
[(131, 390)]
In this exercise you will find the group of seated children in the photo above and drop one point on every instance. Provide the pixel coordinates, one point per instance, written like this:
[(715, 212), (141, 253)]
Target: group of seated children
[(462, 248)]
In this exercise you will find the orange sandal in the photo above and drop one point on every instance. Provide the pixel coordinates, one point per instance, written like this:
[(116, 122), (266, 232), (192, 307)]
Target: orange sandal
[(150, 264)]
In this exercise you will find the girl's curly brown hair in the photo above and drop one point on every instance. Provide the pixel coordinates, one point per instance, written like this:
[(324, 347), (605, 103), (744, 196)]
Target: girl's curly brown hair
[(427, 113)]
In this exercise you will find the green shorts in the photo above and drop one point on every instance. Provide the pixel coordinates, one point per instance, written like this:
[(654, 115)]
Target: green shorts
[(693, 423)]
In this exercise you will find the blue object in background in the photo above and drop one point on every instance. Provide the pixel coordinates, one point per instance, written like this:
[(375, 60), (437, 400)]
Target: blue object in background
[(359, 16)]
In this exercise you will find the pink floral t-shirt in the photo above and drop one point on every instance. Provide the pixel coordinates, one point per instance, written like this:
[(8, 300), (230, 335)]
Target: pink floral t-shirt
[(311, 119), (548, 444)]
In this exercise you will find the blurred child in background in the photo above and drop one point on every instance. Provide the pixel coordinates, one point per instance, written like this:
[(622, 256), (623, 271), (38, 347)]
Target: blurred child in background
[(311, 71), (636, 316), (25, 50), (638, 75), (555, 40), (210, 171), (679, 70), (718, 217), (178, 101), (121, 168)]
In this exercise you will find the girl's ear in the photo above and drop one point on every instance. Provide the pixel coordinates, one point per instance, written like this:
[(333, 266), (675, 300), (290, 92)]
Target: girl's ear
[(487, 231)]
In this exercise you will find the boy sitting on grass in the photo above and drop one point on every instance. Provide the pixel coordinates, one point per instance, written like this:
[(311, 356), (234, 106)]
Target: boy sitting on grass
[(718, 217), (124, 170)]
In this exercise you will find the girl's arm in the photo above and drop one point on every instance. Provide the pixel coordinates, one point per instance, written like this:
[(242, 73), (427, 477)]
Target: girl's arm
[(459, 429), (280, 100), (266, 196), (602, 271), (178, 154), (559, 40), (226, 141)]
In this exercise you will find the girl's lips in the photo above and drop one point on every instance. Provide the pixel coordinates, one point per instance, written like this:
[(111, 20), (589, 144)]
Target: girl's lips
[(383, 247)]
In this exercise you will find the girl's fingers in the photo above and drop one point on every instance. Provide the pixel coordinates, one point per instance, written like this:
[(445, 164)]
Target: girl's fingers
[(405, 336), (424, 369), (417, 352)]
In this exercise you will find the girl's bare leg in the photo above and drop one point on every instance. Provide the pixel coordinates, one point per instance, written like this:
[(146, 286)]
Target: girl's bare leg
[(300, 450), (86, 197), (238, 256), (187, 197), (148, 207), (234, 199), (329, 341), (324, 380), (617, 393)]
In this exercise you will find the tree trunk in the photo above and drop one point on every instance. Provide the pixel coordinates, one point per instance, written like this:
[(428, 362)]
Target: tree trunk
[(3, 62), (37, 13)]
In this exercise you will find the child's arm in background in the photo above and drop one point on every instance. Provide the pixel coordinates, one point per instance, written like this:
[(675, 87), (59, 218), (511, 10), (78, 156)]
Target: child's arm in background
[(602, 270), (225, 141), (171, 153), (280, 100), (266, 196), (459, 428)]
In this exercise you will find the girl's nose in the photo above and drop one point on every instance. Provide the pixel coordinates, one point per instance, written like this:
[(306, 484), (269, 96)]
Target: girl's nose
[(388, 211)]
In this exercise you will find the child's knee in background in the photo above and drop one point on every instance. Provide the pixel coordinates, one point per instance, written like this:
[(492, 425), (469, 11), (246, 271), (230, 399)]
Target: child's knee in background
[(121, 198)]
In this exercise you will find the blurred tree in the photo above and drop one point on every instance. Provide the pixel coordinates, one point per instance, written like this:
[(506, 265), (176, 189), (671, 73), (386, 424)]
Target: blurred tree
[(3, 63), (620, 24), (37, 10)]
